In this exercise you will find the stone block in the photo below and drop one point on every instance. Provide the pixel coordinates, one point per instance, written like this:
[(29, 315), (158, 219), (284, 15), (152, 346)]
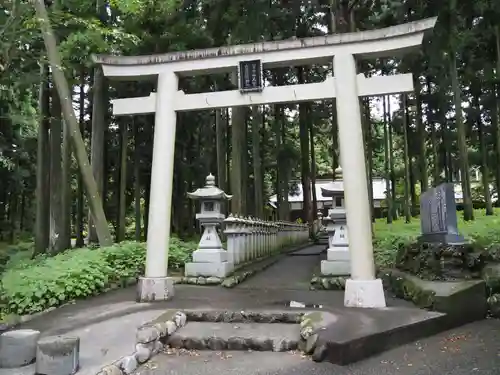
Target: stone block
[(57, 355), (128, 364), (150, 289), (147, 334), (142, 352), (210, 256), (335, 268), (180, 319), (18, 347), (463, 301), (171, 327), (340, 253), (209, 269)]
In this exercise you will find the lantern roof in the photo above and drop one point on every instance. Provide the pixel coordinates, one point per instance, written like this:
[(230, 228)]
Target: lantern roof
[(209, 191)]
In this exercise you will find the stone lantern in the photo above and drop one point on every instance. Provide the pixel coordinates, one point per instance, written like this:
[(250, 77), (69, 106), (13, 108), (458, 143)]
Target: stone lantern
[(338, 257), (210, 259)]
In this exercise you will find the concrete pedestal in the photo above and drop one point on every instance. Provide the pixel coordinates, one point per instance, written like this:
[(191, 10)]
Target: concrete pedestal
[(364, 293), (151, 289), (219, 269), (338, 262)]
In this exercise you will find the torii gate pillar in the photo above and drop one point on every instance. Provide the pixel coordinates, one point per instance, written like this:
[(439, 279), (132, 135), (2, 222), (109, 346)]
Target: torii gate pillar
[(362, 289)]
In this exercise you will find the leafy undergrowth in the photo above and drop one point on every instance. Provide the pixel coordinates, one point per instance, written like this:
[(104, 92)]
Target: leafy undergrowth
[(483, 231), (33, 285)]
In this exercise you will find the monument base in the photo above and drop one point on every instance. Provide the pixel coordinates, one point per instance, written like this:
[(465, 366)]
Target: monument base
[(335, 268), (209, 256), (220, 269), (338, 253), (151, 289), (364, 293), (338, 262), (442, 238)]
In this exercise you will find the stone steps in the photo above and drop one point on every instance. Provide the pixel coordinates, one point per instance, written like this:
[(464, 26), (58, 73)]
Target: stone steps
[(277, 337)]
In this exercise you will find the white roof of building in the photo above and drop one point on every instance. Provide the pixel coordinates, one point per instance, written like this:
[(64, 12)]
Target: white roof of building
[(338, 185)]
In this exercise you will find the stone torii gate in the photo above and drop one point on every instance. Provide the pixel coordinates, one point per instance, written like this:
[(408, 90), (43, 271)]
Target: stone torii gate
[(363, 289)]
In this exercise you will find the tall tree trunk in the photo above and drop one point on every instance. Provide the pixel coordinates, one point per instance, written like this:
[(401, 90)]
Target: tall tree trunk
[(98, 141), (406, 121), (66, 190), (257, 163), (435, 158), (221, 145), (56, 212), (137, 181), (462, 143), (446, 138), (79, 182), (422, 135), (496, 114), (485, 172), (42, 227), (287, 170), (14, 212), (122, 208), (461, 134), (313, 171), (391, 160), (70, 120), (238, 148), (304, 154), (388, 189)]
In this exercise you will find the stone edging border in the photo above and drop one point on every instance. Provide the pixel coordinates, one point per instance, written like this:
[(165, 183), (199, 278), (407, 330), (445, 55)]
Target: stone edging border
[(328, 282), (150, 340), (310, 326)]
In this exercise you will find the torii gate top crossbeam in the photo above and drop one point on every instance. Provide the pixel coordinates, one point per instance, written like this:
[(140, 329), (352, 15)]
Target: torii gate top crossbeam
[(373, 43)]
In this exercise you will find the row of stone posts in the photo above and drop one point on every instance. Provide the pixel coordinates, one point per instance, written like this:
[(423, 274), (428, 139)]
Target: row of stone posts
[(247, 238)]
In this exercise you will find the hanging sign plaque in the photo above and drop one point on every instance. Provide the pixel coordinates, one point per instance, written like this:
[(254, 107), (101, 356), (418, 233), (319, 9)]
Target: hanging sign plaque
[(250, 76)]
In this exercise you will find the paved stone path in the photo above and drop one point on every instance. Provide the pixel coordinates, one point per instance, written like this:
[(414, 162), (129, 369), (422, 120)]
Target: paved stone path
[(106, 325), (294, 272)]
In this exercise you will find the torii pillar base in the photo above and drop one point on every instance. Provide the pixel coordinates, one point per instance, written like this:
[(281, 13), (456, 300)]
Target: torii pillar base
[(364, 293), (153, 289)]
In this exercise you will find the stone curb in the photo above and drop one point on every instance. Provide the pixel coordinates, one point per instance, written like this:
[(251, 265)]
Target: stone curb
[(150, 340), (310, 326), (328, 282)]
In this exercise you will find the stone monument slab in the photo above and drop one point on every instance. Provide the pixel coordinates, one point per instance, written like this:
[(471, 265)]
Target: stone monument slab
[(438, 216)]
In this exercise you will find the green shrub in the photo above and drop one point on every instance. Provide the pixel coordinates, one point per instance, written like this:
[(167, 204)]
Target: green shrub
[(34, 285), (13, 254)]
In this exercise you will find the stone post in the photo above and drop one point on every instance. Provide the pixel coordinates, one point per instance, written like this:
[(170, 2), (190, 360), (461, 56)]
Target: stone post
[(232, 233), (246, 238)]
